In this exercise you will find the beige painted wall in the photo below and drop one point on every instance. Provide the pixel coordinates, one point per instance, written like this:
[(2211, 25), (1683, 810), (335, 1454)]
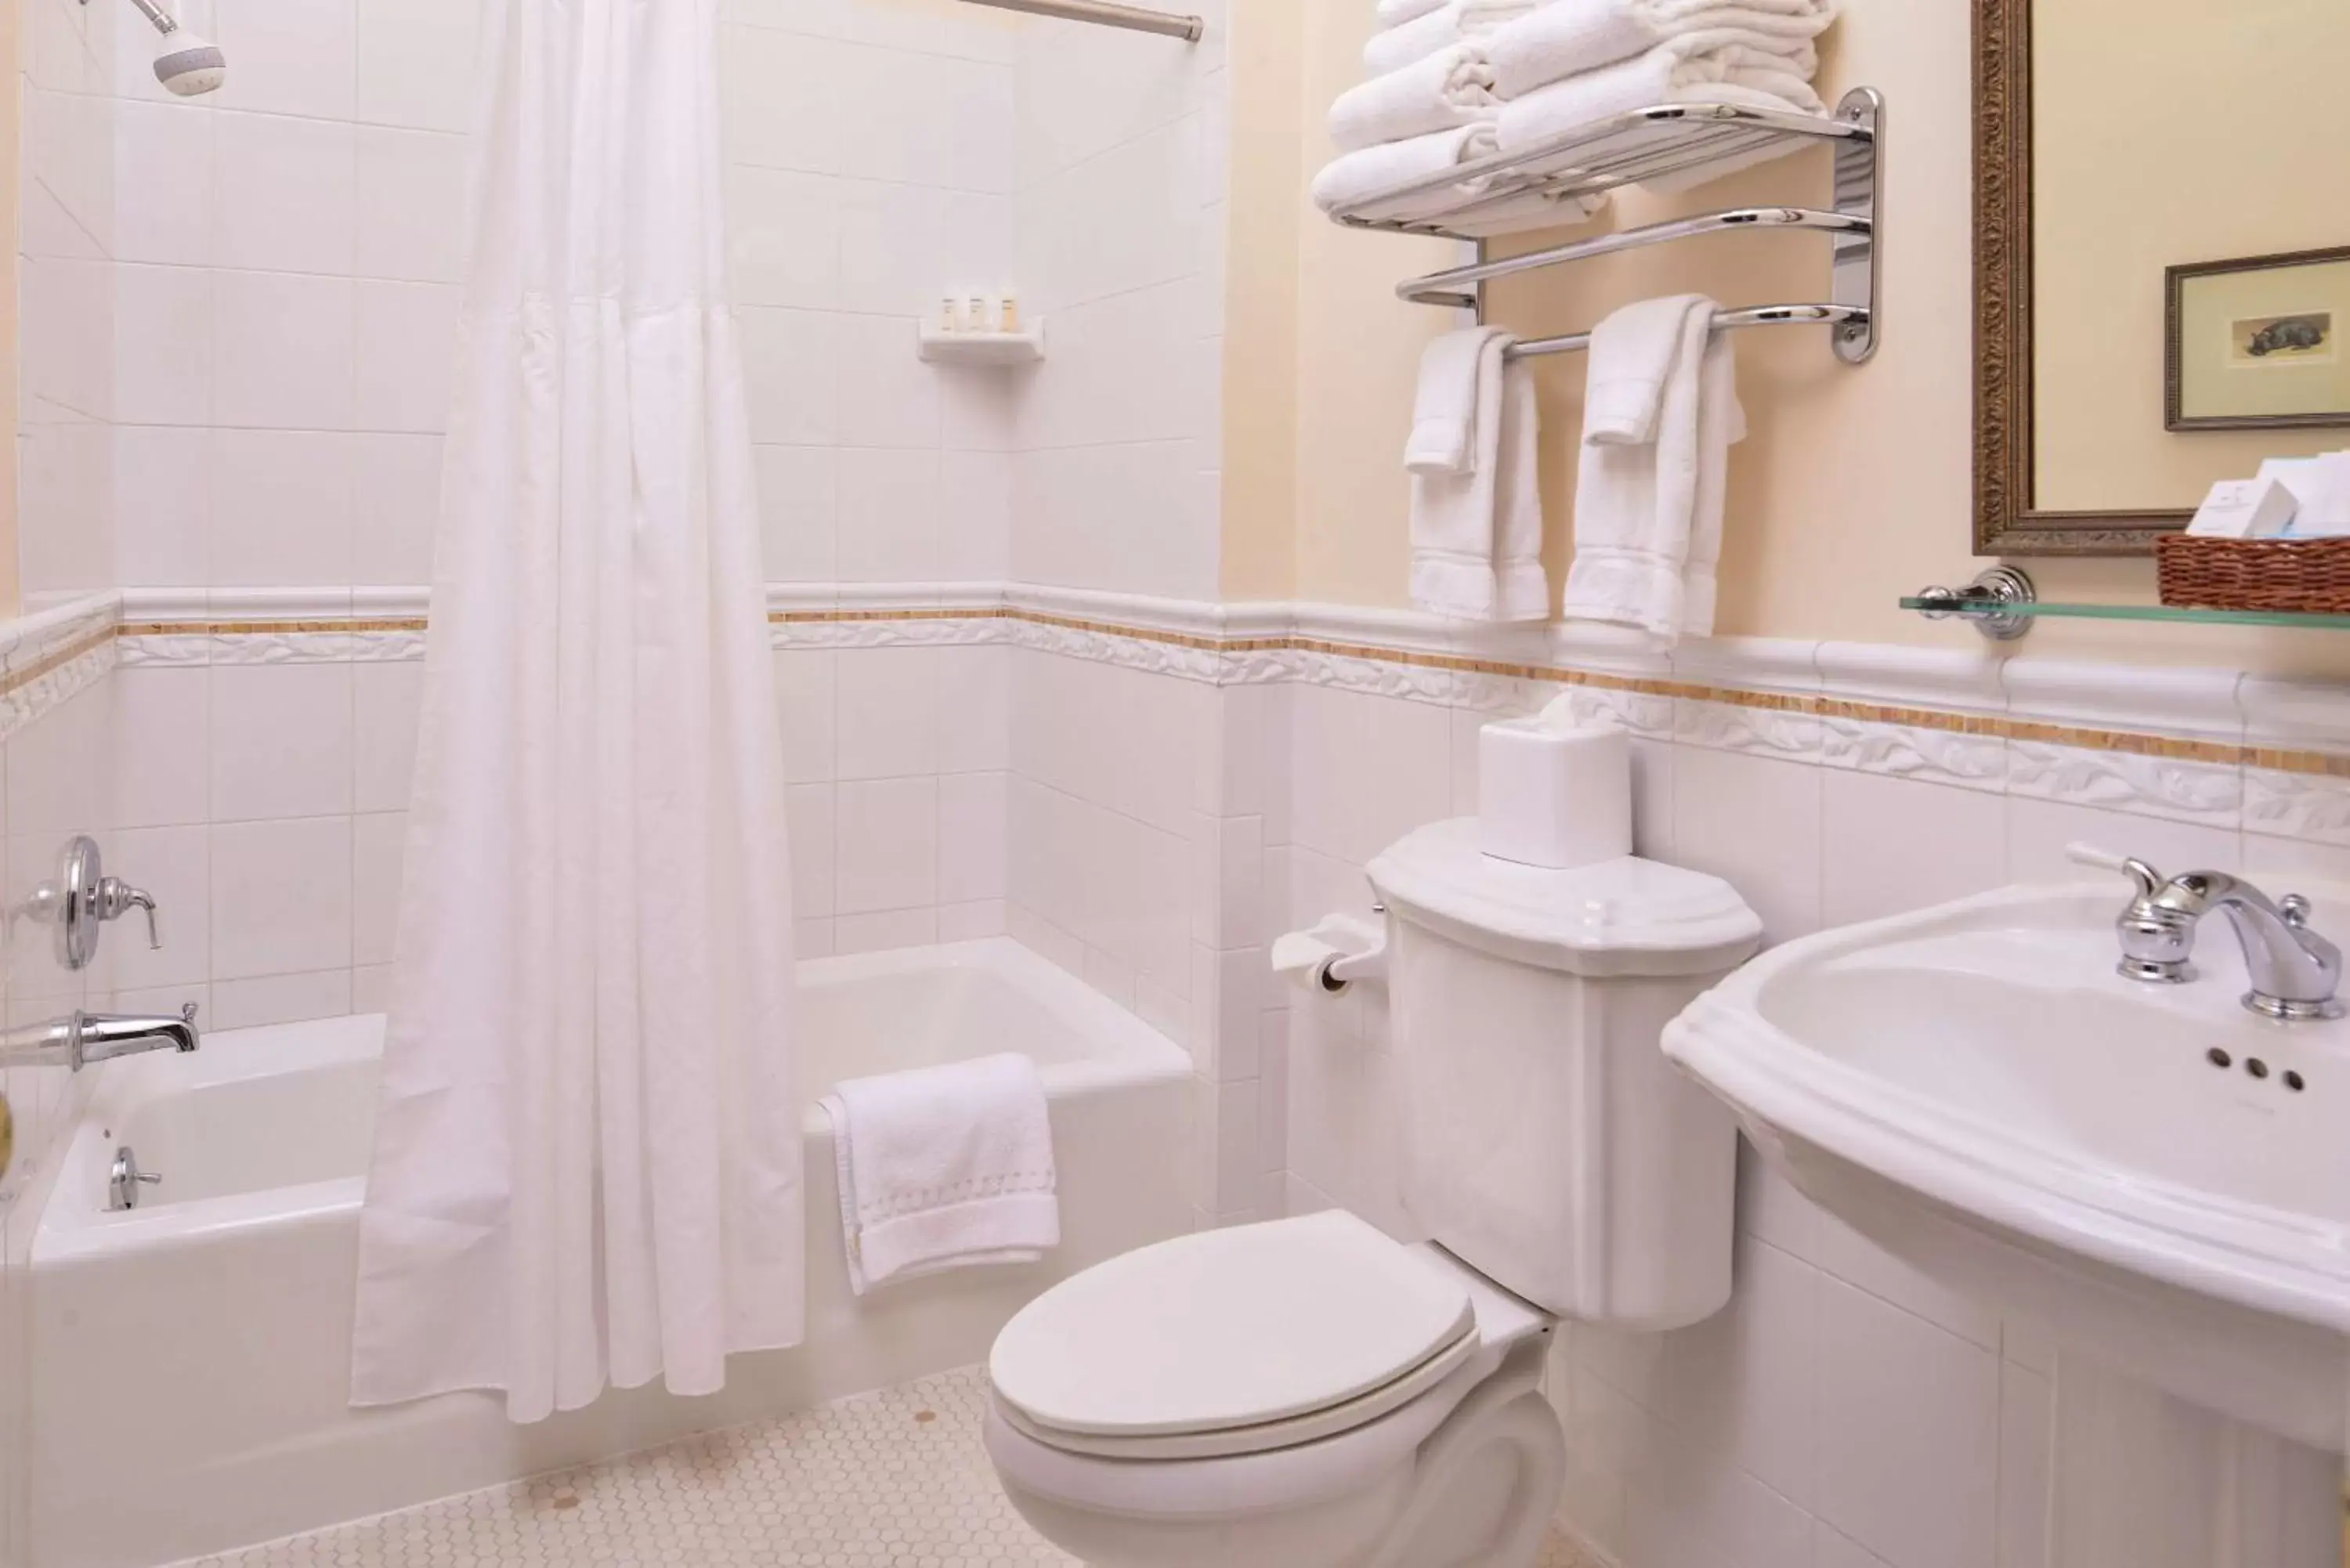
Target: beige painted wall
[(12, 89), (2219, 137), (1855, 485)]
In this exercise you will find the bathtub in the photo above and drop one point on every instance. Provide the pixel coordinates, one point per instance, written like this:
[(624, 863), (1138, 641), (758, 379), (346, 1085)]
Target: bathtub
[(190, 1356)]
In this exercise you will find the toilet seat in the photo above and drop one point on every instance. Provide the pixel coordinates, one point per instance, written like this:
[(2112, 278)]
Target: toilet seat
[(1217, 1334)]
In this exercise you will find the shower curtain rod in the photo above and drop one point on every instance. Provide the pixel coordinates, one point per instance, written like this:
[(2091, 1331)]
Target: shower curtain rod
[(1102, 12)]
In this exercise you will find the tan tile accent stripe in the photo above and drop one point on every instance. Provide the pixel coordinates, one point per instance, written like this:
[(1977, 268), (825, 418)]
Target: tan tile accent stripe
[(1988, 725), (16, 680)]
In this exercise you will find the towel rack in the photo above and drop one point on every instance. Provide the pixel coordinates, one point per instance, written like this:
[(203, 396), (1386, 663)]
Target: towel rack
[(1650, 144), (1103, 13)]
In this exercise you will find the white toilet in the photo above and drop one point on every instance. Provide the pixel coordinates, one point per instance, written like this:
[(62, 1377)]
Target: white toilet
[(1309, 1393)]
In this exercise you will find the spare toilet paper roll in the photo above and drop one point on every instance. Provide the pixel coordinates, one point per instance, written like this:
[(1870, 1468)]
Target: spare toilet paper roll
[(1553, 795)]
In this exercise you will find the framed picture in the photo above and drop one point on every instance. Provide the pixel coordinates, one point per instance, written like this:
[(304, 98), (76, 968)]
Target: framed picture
[(2257, 344)]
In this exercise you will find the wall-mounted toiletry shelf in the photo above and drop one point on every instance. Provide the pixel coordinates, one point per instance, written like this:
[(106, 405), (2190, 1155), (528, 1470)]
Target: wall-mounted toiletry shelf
[(2002, 604), (1682, 140), (1021, 348)]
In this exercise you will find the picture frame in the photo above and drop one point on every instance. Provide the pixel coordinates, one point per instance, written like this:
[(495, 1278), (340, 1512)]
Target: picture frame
[(2257, 343)]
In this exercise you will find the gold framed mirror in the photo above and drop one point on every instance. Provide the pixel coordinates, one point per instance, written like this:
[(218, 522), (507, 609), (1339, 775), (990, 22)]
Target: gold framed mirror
[(2120, 147)]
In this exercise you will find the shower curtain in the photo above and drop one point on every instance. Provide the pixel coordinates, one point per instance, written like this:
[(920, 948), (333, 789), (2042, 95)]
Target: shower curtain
[(586, 1159)]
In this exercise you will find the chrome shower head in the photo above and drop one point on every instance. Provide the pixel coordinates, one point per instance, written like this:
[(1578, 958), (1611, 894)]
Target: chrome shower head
[(185, 62)]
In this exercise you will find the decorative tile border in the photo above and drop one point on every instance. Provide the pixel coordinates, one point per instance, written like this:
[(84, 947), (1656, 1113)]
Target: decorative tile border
[(1956, 746)]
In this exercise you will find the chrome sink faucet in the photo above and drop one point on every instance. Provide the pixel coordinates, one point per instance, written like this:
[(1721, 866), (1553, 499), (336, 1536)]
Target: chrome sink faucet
[(2294, 973)]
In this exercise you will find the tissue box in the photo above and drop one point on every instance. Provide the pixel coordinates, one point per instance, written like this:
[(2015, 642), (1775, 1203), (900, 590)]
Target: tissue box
[(1553, 795)]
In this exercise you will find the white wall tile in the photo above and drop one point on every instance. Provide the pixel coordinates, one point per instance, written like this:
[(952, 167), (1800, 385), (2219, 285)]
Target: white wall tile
[(163, 348), (163, 198), (281, 896), (281, 740), (783, 237), (385, 700), (289, 56), (279, 999), (973, 834), (1755, 823), (416, 63), (885, 397), (974, 710), (282, 503), (285, 193), (412, 218), (1908, 1434), (806, 688), (809, 819), (888, 714), (405, 336), (885, 528), (174, 865), (161, 718), (396, 504), (784, 99), (886, 929), (378, 841), (887, 846), (1875, 860), (788, 372), (281, 350), (798, 500), (162, 504)]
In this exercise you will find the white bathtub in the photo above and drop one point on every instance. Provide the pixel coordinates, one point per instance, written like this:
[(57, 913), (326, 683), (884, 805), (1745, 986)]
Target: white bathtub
[(191, 1356)]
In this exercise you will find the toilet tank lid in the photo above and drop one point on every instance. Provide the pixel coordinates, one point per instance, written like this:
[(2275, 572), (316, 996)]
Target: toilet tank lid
[(1621, 917)]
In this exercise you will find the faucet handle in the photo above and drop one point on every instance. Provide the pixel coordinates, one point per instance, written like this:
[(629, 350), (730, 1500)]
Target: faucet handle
[(117, 898), (2293, 910), (2148, 880)]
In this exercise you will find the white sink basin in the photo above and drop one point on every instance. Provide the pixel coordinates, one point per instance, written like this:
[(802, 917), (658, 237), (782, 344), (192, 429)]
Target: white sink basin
[(1975, 1089)]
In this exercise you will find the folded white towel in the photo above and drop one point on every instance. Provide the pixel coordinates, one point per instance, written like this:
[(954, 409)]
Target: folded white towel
[(1566, 37), (943, 1167), (1661, 415), (1667, 74), (1476, 537), (1448, 24), (1450, 89), (1351, 177), (1396, 13)]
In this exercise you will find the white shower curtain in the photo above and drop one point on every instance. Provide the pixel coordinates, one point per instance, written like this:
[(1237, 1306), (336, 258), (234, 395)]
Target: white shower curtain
[(586, 1159)]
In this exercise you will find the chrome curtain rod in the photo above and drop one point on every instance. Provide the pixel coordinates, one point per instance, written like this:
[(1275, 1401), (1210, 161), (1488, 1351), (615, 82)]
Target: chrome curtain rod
[(1104, 14)]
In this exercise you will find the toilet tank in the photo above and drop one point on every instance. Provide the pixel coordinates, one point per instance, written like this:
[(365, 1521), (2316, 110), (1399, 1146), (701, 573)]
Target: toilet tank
[(1545, 1139)]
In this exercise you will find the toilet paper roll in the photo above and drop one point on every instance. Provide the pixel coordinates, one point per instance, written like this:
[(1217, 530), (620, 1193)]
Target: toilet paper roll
[(1553, 795)]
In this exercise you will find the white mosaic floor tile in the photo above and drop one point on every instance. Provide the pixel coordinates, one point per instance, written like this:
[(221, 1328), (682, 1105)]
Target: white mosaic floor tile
[(892, 1479)]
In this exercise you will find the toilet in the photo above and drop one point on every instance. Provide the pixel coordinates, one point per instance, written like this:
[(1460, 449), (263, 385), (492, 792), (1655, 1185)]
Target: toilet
[(1311, 1393)]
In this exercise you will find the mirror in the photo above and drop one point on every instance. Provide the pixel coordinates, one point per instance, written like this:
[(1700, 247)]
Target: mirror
[(2162, 260)]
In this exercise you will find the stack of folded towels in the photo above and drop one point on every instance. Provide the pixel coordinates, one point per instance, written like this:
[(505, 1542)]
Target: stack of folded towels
[(1456, 80)]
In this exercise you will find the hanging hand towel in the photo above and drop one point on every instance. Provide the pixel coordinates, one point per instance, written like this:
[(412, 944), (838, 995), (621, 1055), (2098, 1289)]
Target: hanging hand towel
[(1476, 537), (1444, 414), (943, 1167), (1353, 176), (1450, 89), (1568, 37), (1449, 24), (1659, 417)]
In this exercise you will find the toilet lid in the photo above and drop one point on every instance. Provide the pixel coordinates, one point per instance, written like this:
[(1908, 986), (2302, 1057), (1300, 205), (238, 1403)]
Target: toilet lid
[(1228, 1328)]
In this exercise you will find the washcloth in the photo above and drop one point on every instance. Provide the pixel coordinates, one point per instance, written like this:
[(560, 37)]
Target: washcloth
[(1448, 24), (1396, 13), (1354, 176), (1444, 412), (1450, 89), (1660, 414), (1567, 38), (1476, 537), (943, 1167)]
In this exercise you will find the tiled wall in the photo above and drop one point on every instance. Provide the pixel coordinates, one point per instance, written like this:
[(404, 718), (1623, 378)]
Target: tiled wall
[(1844, 1411), (1121, 233)]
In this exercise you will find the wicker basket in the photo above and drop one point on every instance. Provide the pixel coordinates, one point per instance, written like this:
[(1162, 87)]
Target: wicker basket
[(2307, 574)]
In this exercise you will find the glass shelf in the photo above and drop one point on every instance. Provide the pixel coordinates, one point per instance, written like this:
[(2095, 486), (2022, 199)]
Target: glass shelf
[(2177, 614)]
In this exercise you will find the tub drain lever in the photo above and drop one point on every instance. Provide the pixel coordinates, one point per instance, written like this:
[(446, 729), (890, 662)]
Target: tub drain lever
[(122, 1190)]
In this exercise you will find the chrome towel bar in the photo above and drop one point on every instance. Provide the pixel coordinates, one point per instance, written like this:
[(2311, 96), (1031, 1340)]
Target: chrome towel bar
[(1103, 13), (1847, 315)]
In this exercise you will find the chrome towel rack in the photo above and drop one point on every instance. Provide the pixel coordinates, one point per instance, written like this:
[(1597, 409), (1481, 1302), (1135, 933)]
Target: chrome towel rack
[(1650, 144), (1103, 13)]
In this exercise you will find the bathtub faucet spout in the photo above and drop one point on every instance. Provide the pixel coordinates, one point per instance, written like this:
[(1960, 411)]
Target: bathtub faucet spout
[(79, 1038)]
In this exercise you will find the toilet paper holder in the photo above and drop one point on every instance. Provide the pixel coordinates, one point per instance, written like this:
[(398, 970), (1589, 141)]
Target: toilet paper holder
[(1334, 953)]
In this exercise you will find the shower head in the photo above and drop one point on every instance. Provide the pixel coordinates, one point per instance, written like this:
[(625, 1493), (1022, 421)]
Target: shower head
[(185, 62), (189, 64)]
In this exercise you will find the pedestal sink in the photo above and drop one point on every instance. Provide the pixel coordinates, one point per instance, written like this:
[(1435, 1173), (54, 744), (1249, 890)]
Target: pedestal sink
[(2156, 1175)]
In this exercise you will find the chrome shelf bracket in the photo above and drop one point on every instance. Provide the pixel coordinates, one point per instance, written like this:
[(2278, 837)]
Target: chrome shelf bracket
[(1980, 603)]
